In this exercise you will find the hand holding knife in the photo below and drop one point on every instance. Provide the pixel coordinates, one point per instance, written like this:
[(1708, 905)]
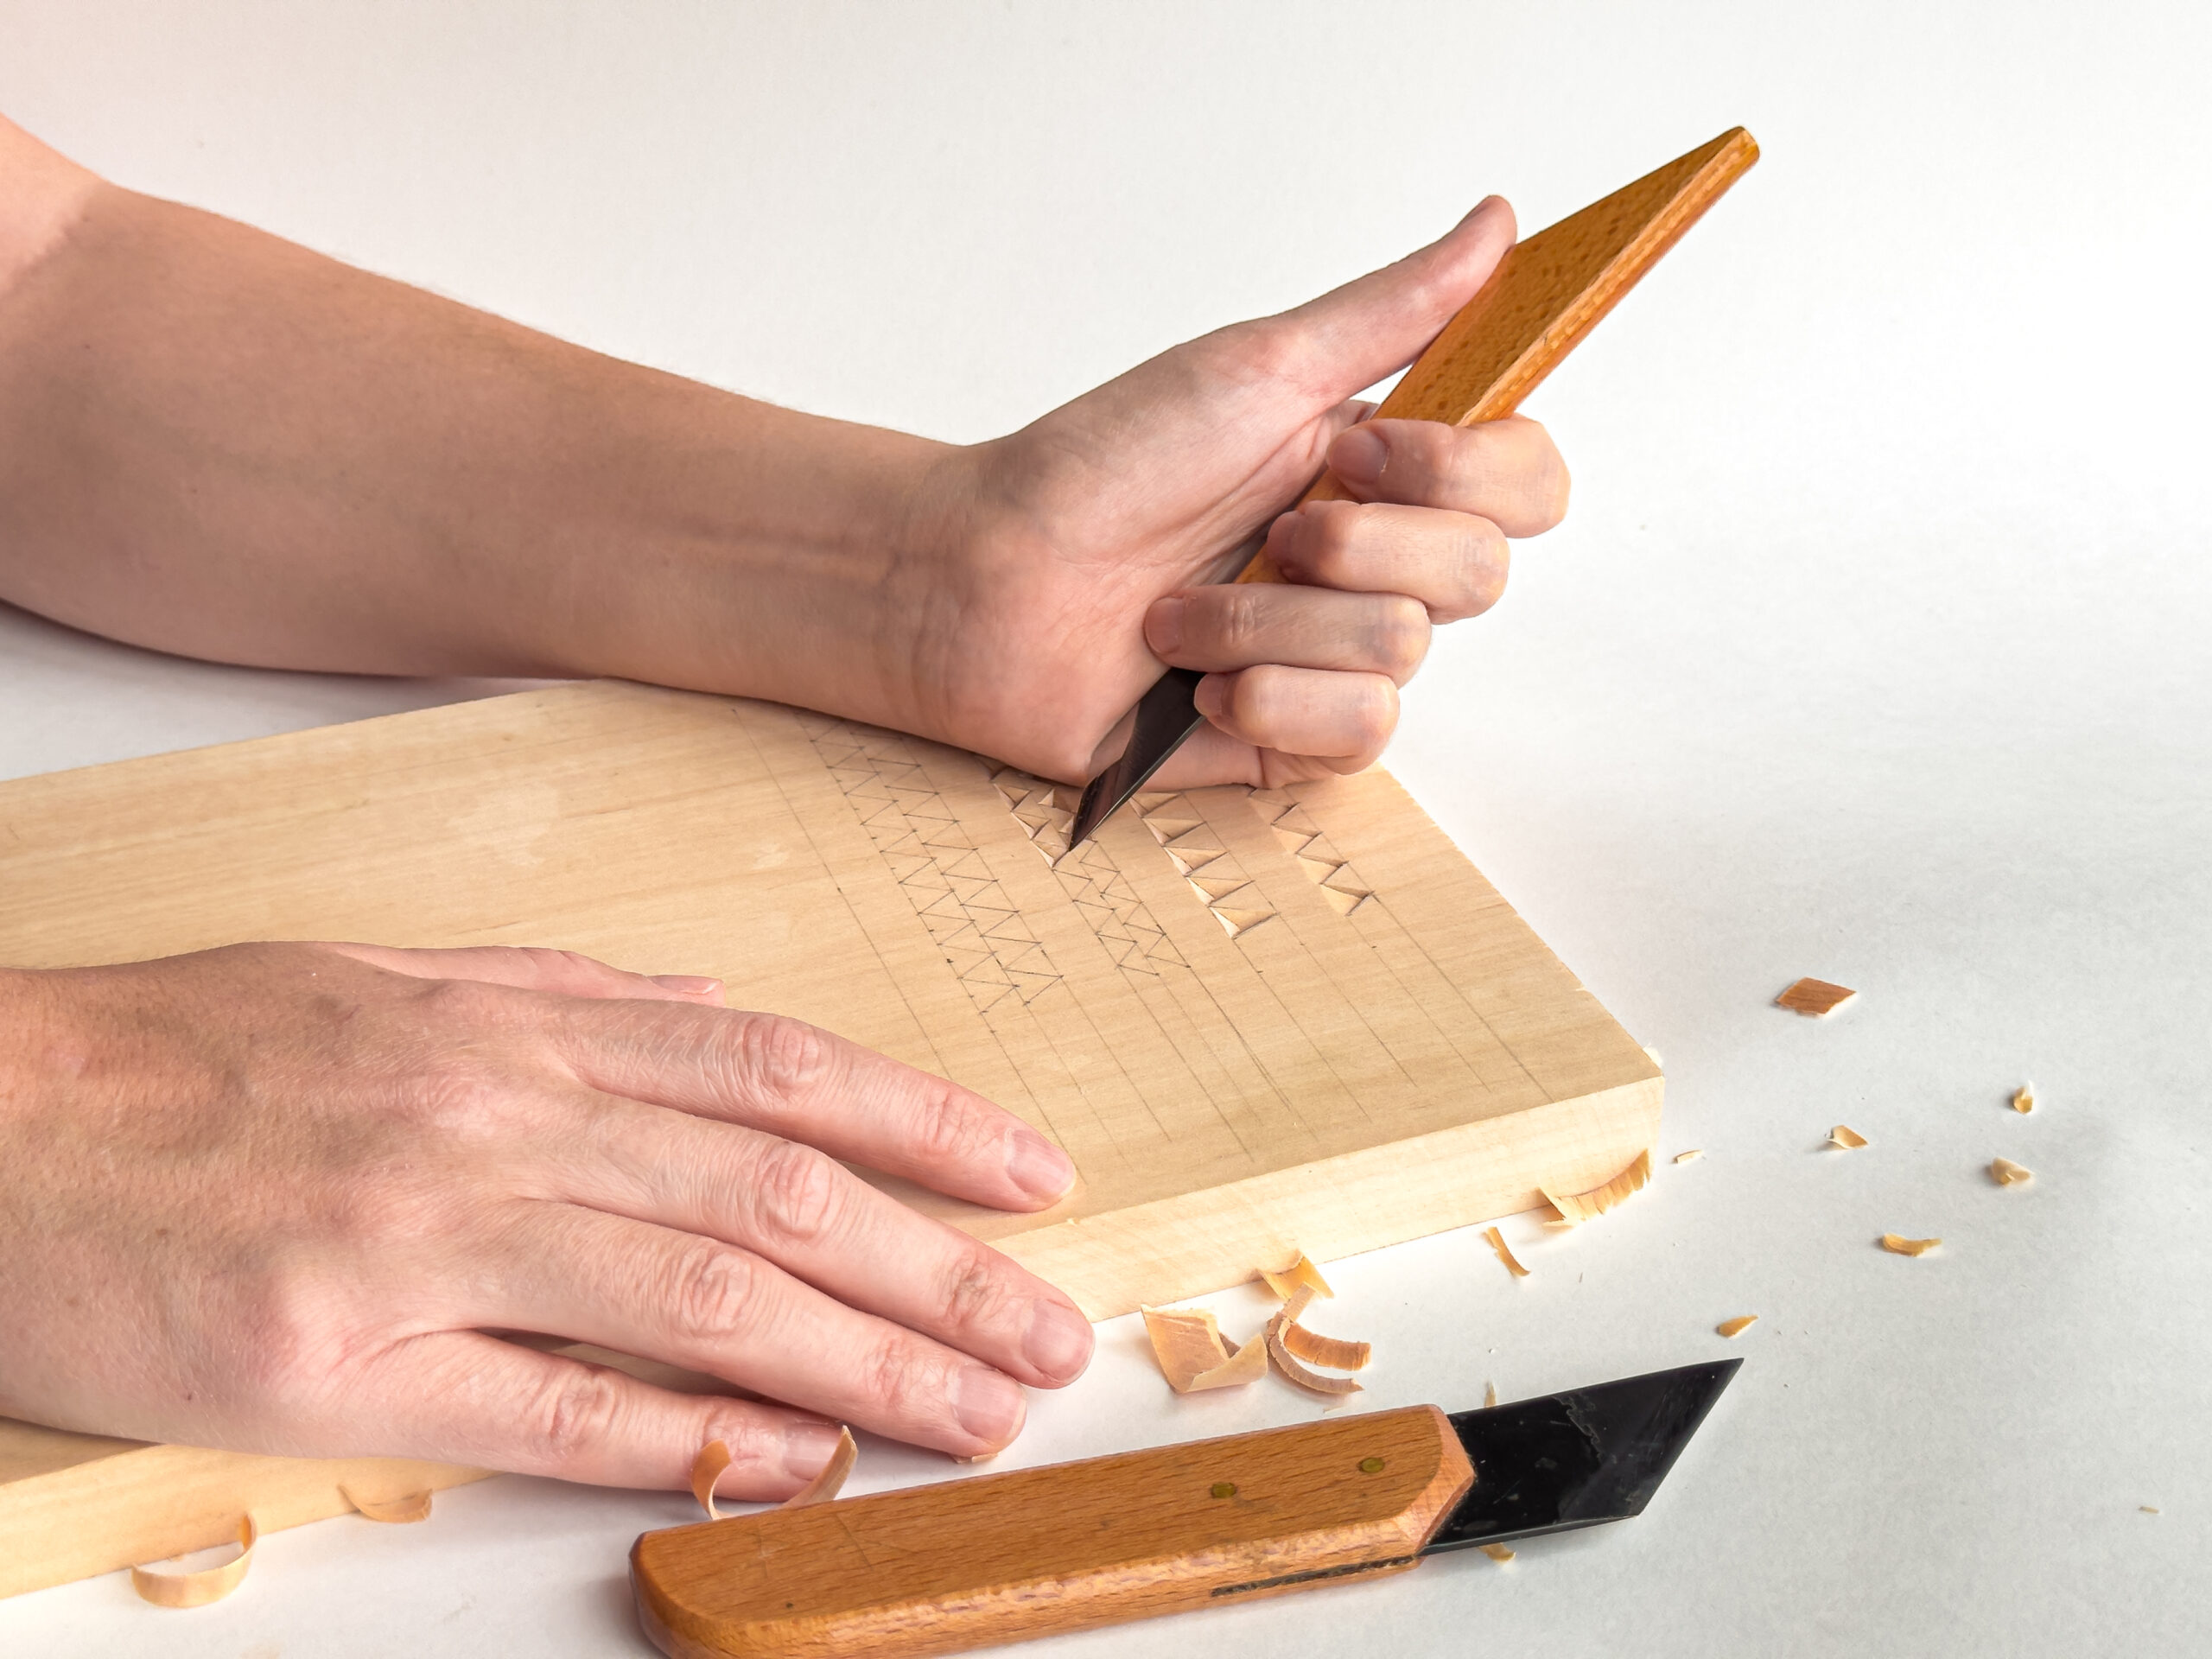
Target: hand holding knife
[(1545, 295)]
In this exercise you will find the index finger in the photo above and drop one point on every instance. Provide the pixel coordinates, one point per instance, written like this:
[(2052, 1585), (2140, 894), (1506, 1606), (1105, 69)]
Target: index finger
[(1507, 471), (801, 1082)]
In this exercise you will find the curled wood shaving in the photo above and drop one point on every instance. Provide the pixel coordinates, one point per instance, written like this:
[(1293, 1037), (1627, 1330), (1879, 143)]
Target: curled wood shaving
[(2023, 1099), (1287, 1363), (1847, 1137), (1512, 1262), (1498, 1552), (1334, 1352), (198, 1589), (1691, 1156), (2006, 1172), (1575, 1208), (707, 1468), (1815, 997), (1897, 1246), (1194, 1356), (831, 1481), (1736, 1326), (393, 1512), (1300, 1272)]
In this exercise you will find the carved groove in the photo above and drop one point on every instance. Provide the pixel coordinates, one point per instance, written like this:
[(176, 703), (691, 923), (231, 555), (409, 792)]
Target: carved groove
[(1091, 878)]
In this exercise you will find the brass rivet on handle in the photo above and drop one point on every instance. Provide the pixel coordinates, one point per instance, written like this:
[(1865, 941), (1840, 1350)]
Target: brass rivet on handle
[(1370, 1465), (1223, 1489)]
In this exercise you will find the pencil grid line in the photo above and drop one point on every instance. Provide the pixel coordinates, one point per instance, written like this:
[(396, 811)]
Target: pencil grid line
[(982, 935), (1210, 869)]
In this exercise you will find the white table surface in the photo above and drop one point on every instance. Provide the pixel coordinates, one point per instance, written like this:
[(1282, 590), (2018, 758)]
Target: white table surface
[(1876, 649)]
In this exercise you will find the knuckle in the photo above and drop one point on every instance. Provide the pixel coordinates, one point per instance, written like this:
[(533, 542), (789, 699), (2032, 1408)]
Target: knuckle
[(898, 1376), (1234, 615), (575, 1412), (797, 1194), (1331, 533), (1375, 714), (714, 1293), (944, 1130), (1402, 633), (767, 1055), (970, 1292)]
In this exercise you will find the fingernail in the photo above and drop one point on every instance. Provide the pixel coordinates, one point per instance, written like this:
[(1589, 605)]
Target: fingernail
[(689, 984), (807, 1447), (1358, 456), (987, 1404), (1208, 699), (1057, 1342), (1163, 625), (1038, 1167)]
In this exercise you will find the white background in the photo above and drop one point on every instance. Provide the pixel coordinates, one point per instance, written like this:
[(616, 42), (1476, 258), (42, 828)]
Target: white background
[(1875, 648)]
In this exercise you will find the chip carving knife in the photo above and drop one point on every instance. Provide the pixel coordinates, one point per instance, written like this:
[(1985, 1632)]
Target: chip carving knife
[(1546, 294), (1035, 1552)]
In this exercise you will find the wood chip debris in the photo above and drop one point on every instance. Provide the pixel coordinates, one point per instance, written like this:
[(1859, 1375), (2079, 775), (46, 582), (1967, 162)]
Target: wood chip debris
[(1498, 1552), (1847, 1138), (1300, 1272), (1900, 1246), (707, 1468), (831, 1481), (392, 1511), (2148, 1508), (1736, 1326), (2006, 1172), (1194, 1356), (197, 1589), (1815, 997), (1691, 1156), (1575, 1208), (1505, 1253), (1286, 1320), (1489, 1395), (2023, 1099)]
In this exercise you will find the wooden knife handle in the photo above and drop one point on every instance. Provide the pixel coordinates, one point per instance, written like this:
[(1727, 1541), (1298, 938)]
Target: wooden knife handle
[(1002, 1557), (1545, 295)]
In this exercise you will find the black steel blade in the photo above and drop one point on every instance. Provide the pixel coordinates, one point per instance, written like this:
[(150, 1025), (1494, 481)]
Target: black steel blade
[(1165, 716), (1576, 1459)]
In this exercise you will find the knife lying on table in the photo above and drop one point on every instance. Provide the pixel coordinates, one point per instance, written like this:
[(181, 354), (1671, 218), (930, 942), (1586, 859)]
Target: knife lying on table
[(1545, 295), (1035, 1552)]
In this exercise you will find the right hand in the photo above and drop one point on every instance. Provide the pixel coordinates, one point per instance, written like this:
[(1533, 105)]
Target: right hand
[(272, 1197)]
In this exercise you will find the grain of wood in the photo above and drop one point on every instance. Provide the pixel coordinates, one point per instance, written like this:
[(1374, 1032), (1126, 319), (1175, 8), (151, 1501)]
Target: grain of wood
[(1002, 1558), (1331, 1080)]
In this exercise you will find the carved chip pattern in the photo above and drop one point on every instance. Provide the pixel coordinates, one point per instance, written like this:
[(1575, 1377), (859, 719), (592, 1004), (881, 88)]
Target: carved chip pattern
[(1090, 877), (1232, 897), (1327, 868), (975, 923)]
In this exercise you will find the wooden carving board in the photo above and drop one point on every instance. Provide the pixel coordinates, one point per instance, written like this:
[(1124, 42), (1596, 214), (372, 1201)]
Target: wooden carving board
[(1259, 1021)]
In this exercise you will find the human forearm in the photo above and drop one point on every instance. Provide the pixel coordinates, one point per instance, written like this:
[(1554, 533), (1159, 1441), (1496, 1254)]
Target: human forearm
[(215, 442)]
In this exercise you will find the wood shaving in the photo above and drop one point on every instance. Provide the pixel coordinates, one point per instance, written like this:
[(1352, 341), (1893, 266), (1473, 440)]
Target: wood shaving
[(1575, 1208), (1847, 1137), (1691, 1156), (1300, 1272), (1736, 1326), (1512, 1262), (1287, 1363), (1498, 1552), (2006, 1172), (1194, 1356), (1815, 997), (1489, 1395), (831, 1481), (1334, 1352), (1897, 1246), (392, 1511), (197, 1589), (2023, 1099), (707, 1468), (2148, 1508)]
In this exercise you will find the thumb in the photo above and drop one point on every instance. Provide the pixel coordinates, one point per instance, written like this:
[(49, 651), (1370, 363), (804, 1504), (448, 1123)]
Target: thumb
[(1375, 325)]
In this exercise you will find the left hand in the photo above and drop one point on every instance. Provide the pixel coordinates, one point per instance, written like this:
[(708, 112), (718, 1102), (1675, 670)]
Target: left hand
[(1095, 541)]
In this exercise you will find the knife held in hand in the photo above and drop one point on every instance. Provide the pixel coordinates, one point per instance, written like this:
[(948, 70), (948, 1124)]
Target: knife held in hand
[(1545, 295), (1035, 1552)]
